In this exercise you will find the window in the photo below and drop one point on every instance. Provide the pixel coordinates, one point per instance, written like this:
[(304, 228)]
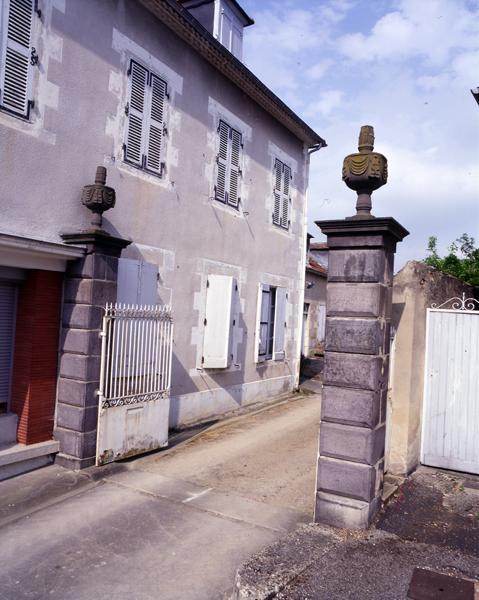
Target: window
[(228, 165), (16, 56), (145, 129), (271, 324), (231, 32), (281, 192)]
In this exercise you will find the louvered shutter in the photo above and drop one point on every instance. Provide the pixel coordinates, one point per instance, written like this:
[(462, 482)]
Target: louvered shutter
[(234, 167), (136, 114), (277, 191), (7, 322), (280, 324), (222, 162), (155, 125), (15, 84), (286, 196)]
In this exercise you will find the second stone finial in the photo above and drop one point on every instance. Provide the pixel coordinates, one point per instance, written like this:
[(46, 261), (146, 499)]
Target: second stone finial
[(365, 172), (98, 197)]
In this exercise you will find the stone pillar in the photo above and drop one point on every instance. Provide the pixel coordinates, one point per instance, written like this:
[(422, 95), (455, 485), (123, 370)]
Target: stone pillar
[(353, 413), (90, 283)]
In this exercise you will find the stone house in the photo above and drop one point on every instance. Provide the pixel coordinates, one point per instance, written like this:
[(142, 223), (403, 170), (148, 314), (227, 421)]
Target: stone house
[(210, 170), (314, 313)]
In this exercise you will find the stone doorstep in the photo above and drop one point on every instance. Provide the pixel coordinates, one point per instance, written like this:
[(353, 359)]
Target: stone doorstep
[(16, 459)]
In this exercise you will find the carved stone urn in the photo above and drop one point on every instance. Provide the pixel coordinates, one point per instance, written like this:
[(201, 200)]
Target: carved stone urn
[(365, 172), (98, 197)]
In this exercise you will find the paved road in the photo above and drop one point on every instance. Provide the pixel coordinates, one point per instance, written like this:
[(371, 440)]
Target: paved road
[(173, 525)]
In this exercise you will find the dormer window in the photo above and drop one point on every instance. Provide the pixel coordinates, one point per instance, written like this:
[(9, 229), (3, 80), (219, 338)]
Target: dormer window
[(224, 19)]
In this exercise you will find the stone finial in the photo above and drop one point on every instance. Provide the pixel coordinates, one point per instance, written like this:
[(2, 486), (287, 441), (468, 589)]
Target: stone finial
[(98, 197), (365, 172)]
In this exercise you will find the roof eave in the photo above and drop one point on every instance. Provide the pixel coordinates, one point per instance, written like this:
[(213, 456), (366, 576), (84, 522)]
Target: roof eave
[(182, 22)]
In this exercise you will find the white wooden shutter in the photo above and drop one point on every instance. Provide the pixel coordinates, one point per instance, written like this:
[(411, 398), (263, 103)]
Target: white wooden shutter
[(286, 196), (15, 70), (135, 133), (257, 341), (280, 324), (234, 168), (218, 322), (155, 124), (7, 322), (222, 181), (277, 191)]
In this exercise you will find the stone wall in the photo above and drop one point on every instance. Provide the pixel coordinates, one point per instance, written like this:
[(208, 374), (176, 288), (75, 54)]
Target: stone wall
[(415, 288)]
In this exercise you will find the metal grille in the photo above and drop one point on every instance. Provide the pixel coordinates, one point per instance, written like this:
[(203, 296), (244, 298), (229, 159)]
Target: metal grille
[(136, 354)]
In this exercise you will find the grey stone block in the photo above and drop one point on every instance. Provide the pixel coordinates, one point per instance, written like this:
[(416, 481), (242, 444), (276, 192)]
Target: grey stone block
[(77, 393), (90, 291), (73, 463), (77, 366), (356, 444), (357, 265), (352, 370), (82, 316), (75, 443), (356, 299), (342, 478), (81, 341), (76, 418), (351, 407), (353, 335), (346, 513), (94, 266)]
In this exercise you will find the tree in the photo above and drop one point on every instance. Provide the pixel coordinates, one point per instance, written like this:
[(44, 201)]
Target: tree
[(462, 260)]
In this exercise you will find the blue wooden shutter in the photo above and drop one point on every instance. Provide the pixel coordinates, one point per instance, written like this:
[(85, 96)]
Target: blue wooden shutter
[(15, 81), (234, 168), (155, 124), (222, 162), (277, 191), (135, 132), (286, 196)]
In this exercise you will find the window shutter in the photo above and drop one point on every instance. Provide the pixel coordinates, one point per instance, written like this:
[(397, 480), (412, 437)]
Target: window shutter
[(286, 196), (16, 75), (218, 322), (136, 114), (234, 175), (155, 125), (278, 168), (259, 311), (222, 160), (279, 324)]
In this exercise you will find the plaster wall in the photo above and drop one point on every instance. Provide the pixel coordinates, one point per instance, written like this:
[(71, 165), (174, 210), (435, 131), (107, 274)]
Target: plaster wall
[(415, 288), (80, 90), (315, 296)]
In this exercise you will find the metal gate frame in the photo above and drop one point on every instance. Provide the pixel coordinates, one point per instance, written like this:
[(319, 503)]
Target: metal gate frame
[(454, 305), (135, 371)]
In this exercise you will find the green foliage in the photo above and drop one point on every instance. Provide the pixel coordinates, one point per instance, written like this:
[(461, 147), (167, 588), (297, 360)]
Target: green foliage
[(462, 260)]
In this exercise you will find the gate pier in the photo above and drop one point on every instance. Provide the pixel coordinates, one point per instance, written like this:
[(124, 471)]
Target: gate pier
[(358, 309)]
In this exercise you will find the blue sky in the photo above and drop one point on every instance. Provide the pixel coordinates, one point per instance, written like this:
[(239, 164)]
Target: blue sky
[(403, 66)]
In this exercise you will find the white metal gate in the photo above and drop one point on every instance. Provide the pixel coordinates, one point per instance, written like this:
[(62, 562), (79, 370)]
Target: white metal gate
[(135, 381), (450, 432)]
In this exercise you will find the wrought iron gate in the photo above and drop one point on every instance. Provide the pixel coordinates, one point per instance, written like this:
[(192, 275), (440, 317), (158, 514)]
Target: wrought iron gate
[(135, 377), (450, 431)]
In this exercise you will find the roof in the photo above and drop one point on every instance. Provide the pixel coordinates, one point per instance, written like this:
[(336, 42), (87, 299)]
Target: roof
[(315, 267), (318, 246), (239, 8), (182, 22)]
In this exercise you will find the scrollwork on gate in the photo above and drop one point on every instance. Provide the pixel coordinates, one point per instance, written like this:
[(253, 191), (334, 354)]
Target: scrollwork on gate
[(462, 304)]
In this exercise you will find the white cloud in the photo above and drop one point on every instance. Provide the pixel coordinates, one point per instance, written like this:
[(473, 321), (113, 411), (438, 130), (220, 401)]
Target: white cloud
[(326, 103), (318, 70)]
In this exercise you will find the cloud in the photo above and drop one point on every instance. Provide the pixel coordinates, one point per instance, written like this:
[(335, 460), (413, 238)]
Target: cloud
[(318, 70), (326, 103), (431, 29)]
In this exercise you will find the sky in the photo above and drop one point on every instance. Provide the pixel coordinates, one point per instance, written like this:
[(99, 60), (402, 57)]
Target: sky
[(405, 67)]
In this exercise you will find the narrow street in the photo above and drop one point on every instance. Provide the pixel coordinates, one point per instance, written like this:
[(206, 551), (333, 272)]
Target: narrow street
[(174, 524)]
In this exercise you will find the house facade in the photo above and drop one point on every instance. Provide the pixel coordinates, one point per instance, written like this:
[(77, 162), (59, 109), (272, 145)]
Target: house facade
[(210, 170)]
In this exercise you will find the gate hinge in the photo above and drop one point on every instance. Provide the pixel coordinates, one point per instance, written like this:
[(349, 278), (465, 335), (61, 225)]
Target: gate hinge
[(205, 321)]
